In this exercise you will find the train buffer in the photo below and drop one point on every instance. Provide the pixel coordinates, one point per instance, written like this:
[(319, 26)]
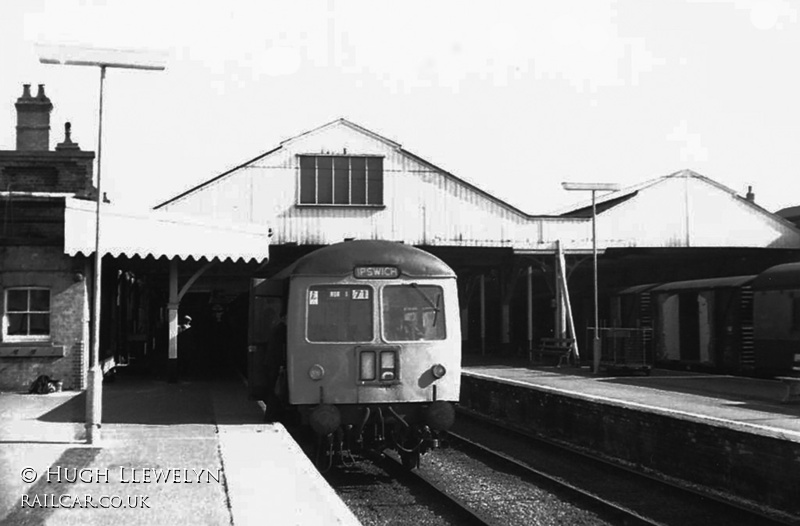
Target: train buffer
[(792, 384), (558, 347)]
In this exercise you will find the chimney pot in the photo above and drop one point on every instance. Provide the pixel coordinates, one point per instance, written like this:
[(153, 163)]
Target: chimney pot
[(40, 94), (67, 144), (26, 91), (750, 195)]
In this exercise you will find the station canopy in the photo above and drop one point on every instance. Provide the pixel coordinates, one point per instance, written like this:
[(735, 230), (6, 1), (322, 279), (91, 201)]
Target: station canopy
[(161, 234)]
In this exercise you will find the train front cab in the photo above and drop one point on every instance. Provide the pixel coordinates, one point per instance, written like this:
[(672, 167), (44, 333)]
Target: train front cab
[(374, 350)]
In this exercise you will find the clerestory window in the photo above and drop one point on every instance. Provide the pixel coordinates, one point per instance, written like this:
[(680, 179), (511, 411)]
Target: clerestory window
[(341, 180)]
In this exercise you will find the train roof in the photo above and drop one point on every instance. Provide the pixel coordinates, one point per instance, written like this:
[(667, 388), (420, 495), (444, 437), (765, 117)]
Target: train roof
[(785, 276), (341, 258), (709, 283), (636, 289)]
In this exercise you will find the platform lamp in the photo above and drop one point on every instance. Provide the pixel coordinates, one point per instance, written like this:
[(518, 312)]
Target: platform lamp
[(103, 59), (594, 188)]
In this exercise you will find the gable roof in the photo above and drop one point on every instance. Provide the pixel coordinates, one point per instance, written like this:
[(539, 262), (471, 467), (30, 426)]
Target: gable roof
[(612, 199), (686, 209), (359, 129)]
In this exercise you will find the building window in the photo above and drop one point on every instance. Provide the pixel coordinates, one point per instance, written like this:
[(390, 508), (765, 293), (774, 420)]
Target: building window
[(341, 180), (27, 314)]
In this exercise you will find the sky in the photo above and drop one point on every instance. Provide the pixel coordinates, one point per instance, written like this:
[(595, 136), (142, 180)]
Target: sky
[(513, 96)]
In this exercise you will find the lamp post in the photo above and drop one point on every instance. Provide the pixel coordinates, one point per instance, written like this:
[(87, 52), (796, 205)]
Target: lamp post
[(102, 58), (594, 188)]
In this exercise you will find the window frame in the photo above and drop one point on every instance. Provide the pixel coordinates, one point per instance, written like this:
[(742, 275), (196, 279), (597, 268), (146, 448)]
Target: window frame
[(372, 301), (420, 286), (19, 338), (304, 201)]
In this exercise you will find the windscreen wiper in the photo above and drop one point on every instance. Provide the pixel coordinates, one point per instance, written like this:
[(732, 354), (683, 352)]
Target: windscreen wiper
[(434, 306)]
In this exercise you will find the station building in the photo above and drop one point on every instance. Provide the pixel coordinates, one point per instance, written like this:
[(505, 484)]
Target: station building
[(47, 246), (195, 254), (342, 181), (45, 303)]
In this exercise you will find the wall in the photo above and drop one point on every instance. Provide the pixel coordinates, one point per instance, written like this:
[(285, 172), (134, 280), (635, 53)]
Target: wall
[(724, 461), (423, 204), (47, 266), (47, 171)]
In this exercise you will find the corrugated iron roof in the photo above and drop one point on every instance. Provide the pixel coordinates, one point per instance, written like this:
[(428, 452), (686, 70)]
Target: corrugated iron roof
[(390, 144), (601, 207), (156, 233)]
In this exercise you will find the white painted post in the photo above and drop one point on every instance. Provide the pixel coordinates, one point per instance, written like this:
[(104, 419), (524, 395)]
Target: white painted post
[(483, 314), (172, 310), (530, 311)]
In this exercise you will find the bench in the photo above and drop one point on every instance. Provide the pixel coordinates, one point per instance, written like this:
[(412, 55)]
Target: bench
[(792, 384), (560, 347)]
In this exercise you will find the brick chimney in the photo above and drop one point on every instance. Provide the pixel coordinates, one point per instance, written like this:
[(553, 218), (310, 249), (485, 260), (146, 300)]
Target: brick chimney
[(33, 120), (750, 195)]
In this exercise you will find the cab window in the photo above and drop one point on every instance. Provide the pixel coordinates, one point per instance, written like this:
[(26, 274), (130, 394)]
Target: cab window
[(340, 313), (413, 312)]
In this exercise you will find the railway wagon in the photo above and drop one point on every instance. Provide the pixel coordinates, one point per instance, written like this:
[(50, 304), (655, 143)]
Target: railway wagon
[(776, 320), (360, 342), (737, 324)]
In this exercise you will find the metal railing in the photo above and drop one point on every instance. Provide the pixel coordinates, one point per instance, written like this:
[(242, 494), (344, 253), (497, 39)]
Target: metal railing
[(630, 348)]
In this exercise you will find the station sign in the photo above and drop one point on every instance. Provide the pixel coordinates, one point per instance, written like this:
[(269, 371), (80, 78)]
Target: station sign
[(376, 272)]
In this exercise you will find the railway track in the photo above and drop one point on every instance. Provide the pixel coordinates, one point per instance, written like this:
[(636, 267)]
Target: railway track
[(462, 511), (632, 497), (381, 492)]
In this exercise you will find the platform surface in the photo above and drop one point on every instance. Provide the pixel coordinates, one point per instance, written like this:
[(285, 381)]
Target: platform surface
[(227, 467), (747, 404)]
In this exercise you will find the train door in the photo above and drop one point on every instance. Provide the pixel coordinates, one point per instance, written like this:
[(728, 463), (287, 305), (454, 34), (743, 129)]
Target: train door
[(689, 326), (726, 330), (705, 321), (668, 324), (266, 307)]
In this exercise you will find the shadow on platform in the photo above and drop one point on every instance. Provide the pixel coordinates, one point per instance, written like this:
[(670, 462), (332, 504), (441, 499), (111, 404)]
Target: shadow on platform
[(145, 401)]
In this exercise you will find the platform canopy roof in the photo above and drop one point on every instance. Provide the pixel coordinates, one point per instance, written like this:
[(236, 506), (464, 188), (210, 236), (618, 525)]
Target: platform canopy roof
[(156, 233)]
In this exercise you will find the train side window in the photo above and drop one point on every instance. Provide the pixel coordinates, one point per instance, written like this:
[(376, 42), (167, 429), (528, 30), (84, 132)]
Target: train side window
[(413, 312), (340, 313)]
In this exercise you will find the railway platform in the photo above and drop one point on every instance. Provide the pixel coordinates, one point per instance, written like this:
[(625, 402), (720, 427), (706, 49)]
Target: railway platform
[(751, 404), (194, 452), (732, 437)]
